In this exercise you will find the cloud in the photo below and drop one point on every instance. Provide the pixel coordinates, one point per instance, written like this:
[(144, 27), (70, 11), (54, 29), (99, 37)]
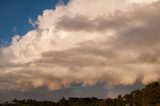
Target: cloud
[(142, 1), (3, 43), (32, 22), (14, 29), (85, 44), (82, 23)]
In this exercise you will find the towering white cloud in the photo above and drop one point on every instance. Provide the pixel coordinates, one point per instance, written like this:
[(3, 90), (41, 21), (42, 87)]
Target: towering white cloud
[(106, 41)]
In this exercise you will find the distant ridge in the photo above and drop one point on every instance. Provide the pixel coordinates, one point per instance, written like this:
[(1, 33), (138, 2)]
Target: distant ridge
[(148, 96)]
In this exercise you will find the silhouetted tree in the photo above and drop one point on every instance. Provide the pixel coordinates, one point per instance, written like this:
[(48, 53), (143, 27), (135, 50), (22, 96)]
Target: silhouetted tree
[(62, 102)]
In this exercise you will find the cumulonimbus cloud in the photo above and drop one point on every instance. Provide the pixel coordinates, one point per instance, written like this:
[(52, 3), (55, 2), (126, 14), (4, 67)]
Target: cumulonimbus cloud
[(88, 44)]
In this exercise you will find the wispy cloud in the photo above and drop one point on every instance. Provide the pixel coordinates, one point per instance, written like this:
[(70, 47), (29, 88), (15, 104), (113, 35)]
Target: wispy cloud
[(3, 43), (14, 29), (32, 22)]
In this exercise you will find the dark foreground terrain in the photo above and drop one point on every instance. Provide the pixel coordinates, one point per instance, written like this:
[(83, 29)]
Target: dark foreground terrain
[(149, 96)]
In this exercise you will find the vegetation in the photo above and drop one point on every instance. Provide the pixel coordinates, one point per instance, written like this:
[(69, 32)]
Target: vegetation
[(149, 96)]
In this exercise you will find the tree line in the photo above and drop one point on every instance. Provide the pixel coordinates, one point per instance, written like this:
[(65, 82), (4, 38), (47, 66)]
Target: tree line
[(148, 96)]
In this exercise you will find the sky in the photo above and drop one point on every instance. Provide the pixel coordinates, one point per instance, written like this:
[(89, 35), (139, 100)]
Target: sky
[(16, 14), (77, 48)]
